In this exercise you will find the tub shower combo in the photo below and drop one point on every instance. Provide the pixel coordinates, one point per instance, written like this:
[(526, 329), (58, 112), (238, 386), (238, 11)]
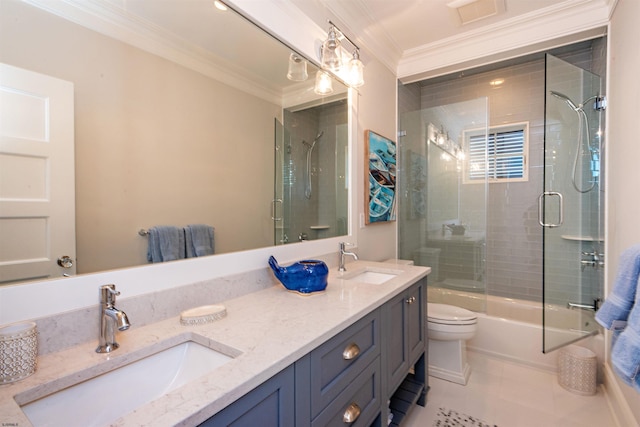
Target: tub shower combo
[(521, 176)]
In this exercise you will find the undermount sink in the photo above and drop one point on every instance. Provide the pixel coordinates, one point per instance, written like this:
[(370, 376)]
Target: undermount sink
[(100, 400), (375, 276)]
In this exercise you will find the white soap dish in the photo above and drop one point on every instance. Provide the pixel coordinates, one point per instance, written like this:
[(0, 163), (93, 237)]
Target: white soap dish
[(202, 315)]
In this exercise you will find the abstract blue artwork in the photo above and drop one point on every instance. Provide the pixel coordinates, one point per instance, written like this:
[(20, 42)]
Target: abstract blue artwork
[(381, 176)]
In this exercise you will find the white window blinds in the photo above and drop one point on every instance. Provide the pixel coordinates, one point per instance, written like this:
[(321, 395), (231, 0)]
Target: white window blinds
[(505, 155)]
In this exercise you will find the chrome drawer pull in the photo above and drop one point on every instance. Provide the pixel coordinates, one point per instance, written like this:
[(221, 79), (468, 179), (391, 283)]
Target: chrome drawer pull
[(351, 352), (351, 414)]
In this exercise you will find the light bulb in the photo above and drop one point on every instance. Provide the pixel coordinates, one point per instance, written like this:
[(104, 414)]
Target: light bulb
[(324, 85), (355, 71)]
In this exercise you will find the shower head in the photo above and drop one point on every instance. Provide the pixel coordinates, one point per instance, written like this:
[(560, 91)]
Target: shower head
[(313, 144), (318, 136), (565, 98)]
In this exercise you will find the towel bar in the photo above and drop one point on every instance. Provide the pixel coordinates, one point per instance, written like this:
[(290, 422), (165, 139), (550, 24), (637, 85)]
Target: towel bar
[(143, 232)]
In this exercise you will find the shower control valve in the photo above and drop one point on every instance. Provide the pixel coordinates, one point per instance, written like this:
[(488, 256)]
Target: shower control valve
[(596, 261)]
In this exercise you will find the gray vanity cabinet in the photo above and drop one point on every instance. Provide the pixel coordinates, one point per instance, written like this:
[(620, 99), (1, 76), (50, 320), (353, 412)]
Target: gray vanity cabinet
[(271, 404), (350, 378), (342, 378), (404, 335)]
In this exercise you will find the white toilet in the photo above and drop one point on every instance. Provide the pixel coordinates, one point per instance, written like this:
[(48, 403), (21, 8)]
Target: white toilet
[(448, 329)]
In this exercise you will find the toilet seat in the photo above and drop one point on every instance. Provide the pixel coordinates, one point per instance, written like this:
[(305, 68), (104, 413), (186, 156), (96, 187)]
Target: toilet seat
[(444, 314)]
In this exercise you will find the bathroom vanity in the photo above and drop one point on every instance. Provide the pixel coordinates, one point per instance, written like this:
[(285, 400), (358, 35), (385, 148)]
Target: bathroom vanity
[(356, 377), (352, 353)]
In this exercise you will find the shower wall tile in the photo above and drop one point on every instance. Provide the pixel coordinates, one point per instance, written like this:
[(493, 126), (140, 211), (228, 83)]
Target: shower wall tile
[(514, 248), (321, 207)]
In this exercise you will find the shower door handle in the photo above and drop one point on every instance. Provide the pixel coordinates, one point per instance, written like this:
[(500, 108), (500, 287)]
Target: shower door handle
[(273, 209), (541, 209)]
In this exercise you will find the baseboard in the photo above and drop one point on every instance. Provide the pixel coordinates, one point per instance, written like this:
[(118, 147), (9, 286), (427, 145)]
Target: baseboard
[(619, 408), (526, 362), (455, 377)]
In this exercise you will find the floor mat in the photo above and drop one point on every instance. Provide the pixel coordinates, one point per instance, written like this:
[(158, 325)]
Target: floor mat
[(450, 418)]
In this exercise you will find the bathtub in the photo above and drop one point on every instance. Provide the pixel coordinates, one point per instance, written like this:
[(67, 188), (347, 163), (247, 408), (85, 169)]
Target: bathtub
[(511, 329)]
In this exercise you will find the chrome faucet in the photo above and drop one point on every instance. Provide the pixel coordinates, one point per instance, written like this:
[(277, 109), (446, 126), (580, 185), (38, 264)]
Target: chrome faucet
[(110, 319), (343, 253)]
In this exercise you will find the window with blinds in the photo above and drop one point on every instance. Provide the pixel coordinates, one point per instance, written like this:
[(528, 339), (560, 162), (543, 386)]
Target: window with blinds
[(506, 154)]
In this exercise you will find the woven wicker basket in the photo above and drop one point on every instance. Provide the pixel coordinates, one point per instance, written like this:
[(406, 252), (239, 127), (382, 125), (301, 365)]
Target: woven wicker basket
[(578, 370)]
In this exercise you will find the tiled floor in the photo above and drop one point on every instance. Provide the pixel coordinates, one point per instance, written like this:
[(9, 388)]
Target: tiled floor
[(510, 395)]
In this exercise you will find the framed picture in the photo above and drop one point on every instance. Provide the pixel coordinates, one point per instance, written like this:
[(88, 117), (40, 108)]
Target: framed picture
[(380, 182)]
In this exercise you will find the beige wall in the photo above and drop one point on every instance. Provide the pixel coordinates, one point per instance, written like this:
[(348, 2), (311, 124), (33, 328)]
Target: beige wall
[(623, 219), (376, 111), (140, 116)]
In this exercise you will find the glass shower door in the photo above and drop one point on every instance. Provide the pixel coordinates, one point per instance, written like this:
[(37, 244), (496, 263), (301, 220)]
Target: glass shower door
[(443, 221), (282, 160), (570, 210)]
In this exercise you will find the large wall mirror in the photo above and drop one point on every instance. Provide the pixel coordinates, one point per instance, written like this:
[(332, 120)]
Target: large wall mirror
[(183, 114)]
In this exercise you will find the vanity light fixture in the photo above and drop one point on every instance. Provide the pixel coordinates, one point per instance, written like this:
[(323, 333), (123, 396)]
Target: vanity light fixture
[(331, 58), (333, 55), (324, 85), (297, 68)]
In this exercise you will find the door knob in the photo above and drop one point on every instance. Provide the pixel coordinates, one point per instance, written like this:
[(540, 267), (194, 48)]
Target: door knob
[(65, 261)]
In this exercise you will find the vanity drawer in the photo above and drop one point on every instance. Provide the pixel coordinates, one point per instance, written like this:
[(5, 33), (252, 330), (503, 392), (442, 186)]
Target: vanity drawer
[(361, 400), (336, 363)]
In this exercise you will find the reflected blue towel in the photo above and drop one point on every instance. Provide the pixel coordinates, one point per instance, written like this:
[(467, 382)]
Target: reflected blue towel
[(166, 243), (618, 304), (199, 240)]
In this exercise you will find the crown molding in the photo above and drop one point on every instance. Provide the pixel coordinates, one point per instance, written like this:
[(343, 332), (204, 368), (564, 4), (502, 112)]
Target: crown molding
[(611, 4), (102, 17), (560, 21)]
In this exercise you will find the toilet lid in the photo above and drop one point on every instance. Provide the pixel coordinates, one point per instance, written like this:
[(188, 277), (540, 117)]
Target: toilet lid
[(443, 313)]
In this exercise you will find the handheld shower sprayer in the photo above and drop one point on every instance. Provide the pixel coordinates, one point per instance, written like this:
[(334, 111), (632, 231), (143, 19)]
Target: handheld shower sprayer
[(307, 189), (583, 125), (566, 99)]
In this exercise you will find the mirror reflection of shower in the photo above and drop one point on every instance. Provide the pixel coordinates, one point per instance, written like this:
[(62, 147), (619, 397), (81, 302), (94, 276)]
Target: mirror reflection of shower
[(307, 183), (582, 142)]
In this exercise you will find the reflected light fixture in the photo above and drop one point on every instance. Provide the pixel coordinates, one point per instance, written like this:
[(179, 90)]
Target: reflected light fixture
[(333, 52), (220, 6), (324, 85), (297, 68)]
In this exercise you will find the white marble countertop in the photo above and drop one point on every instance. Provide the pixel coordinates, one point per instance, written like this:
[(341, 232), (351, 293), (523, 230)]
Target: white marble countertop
[(266, 331)]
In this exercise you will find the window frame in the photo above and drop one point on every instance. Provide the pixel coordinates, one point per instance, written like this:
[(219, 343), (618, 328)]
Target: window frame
[(494, 130)]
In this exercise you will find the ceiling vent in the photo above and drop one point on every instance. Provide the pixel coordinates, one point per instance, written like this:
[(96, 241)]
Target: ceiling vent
[(474, 10)]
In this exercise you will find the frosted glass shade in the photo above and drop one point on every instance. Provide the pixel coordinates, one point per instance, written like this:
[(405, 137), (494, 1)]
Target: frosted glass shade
[(355, 74), (297, 71), (324, 85)]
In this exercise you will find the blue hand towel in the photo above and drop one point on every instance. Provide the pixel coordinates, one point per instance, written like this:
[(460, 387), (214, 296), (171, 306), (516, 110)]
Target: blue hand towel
[(625, 354), (166, 243), (618, 304), (199, 240)]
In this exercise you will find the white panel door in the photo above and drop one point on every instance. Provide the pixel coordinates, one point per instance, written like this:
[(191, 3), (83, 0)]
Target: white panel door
[(37, 184)]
